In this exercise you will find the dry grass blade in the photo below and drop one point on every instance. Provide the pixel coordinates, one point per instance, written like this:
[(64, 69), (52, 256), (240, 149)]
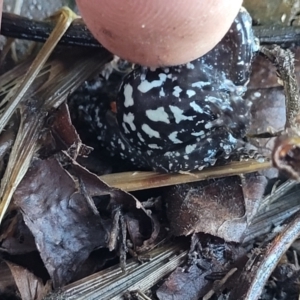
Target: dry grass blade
[(64, 78), (14, 97), (279, 192), (282, 204), (54, 92), (134, 181), (113, 283), (20, 158)]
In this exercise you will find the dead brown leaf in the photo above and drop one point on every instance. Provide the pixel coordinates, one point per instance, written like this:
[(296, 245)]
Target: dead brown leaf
[(221, 207), (29, 286), (210, 259), (65, 228)]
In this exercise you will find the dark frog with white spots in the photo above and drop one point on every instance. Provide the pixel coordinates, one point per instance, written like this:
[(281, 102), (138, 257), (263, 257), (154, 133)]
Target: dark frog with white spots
[(185, 117)]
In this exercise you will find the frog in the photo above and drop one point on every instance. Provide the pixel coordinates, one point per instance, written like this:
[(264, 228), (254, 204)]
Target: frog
[(186, 117)]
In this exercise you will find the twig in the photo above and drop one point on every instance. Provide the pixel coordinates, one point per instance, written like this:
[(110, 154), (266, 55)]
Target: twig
[(17, 11), (255, 276), (269, 35), (78, 34), (285, 64), (218, 284), (23, 28)]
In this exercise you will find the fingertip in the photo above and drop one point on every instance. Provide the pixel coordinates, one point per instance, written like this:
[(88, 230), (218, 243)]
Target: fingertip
[(159, 33)]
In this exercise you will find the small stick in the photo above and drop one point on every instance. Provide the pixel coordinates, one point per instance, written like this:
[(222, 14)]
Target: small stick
[(255, 276), (39, 31), (23, 28), (284, 62), (219, 284)]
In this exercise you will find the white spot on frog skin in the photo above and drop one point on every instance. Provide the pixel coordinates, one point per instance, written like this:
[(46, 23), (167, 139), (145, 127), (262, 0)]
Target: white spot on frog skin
[(200, 84), (240, 63), (190, 148), (196, 107), (129, 120), (257, 94), (145, 86), (128, 95), (125, 128), (208, 125), (140, 137), (154, 146), (121, 144), (190, 93), (190, 66), (199, 122), (143, 77), (148, 130), (158, 115), (178, 114), (227, 149), (200, 133), (177, 91), (162, 93), (173, 138), (218, 101), (231, 139)]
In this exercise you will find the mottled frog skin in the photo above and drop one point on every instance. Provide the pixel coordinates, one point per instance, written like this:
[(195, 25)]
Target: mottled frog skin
[(185, 117)]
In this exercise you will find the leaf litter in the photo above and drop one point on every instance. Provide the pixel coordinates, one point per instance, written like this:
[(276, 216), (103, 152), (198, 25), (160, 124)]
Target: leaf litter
[(66, 213)]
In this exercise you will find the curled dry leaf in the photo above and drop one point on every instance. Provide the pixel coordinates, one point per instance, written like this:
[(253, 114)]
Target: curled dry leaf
[(65, 134), (148, 226), (221, 207), (65, 228), (29, 286)]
